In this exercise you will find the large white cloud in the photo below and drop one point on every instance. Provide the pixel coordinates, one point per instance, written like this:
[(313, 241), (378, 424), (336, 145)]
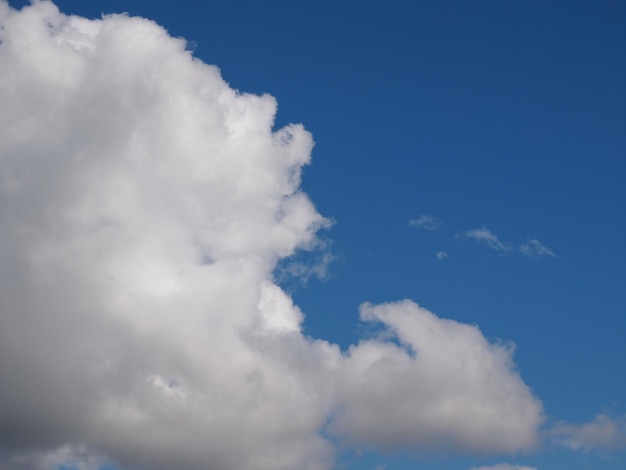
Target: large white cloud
[(144, 205)]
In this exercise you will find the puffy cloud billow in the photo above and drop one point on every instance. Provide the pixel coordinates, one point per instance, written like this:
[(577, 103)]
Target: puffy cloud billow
[(439, 386), (144, 206)]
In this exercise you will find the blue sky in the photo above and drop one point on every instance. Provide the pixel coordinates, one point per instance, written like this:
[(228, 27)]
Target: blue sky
[(472, 158)]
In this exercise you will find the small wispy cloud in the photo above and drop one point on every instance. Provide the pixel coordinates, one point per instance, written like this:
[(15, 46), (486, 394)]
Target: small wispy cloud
[(485, 235), (504, 466), (602, 433), (303, 270), (534, 247), (425, 222)]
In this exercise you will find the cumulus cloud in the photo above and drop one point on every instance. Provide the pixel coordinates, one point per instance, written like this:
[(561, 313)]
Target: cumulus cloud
[(145, 206), (425, 222), (484, 235), (504, 466), (441, 255), (602, 433), (439, 386), (534, 247)]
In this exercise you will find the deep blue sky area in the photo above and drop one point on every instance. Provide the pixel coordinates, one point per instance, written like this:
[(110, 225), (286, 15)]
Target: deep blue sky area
[(508, 116)]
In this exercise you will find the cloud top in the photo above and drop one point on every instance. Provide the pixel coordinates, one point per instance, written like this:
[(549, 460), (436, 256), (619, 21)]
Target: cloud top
[(145, 206)]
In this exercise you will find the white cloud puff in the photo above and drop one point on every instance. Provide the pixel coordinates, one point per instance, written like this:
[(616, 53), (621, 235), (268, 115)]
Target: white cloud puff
[(532, 247), (76, 457), (144, 206), (602, 433)]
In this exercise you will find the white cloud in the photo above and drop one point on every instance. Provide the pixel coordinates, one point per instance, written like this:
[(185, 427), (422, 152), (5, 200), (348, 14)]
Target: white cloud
[(303, 270), (144, 206), (602, 433), (534, 247), (425, 222), (443, 387), (76, 457), (504, 466), (441, 255), (486, 236)]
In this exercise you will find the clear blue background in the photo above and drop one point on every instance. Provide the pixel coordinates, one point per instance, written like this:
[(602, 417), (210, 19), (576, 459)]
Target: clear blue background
[(504, 114)]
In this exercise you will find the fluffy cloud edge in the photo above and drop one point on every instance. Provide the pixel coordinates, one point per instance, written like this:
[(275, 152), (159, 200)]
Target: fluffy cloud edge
[(413, 345)]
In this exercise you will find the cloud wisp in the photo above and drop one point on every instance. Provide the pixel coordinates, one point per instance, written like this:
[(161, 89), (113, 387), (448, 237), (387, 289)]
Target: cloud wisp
[(446, 411), (601, 434), (484, 235), (425, 222), (145, 206), (504, 466), (532, 247)]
